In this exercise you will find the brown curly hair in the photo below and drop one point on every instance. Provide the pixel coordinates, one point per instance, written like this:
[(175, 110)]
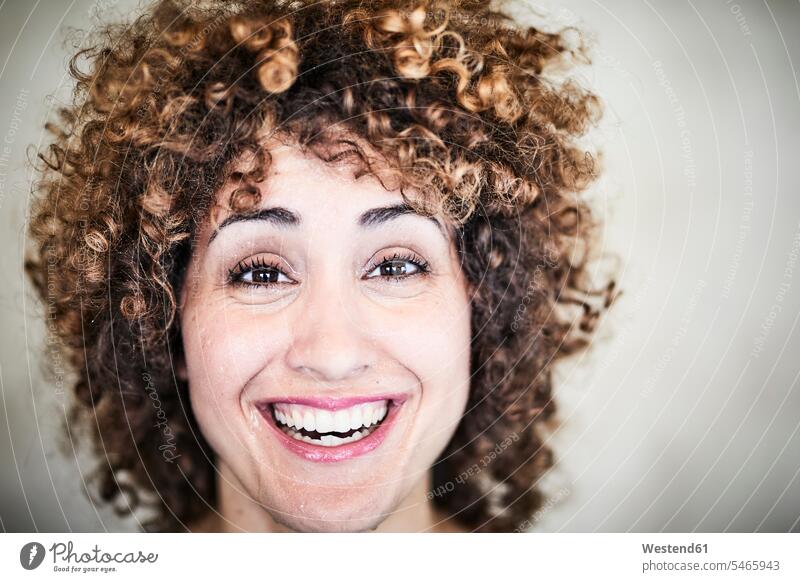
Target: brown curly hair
[(453, 95)]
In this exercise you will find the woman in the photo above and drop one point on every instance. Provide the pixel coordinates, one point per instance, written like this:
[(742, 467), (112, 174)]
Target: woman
[(313, 262)]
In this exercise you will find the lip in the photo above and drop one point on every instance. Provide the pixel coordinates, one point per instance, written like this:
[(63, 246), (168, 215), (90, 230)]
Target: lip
[(320, 454)]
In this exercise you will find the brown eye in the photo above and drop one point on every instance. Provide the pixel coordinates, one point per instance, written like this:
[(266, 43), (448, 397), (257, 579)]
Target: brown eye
[(257, 273), (262, 275), (398, 267)]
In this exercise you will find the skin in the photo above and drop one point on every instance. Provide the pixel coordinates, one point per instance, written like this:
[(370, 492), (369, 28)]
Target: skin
[(334, 325)]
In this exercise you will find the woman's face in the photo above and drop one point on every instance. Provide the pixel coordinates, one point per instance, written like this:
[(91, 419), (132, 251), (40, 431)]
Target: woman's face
[(327, 338)]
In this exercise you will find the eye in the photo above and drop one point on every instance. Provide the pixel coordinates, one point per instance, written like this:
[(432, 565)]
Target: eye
[(398, 267), (257, 273)]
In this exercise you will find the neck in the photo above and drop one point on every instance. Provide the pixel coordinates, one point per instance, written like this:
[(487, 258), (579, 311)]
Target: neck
[(237, 512)]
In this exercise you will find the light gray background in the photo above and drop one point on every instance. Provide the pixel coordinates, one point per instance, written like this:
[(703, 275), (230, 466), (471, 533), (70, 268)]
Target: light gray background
[(685, 415)]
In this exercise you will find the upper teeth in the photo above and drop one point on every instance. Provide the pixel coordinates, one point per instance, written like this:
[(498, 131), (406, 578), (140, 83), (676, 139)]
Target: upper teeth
[(342, 420)]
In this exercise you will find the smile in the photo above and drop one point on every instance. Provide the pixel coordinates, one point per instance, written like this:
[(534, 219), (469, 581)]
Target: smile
[(330, 428), (326, 429)]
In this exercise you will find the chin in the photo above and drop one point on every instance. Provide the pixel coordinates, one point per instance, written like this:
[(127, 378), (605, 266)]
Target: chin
[(320, 525), (354, 510)]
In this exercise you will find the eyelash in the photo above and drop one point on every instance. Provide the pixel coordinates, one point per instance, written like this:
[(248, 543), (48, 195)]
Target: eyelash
[(423, 268), (243, 267)]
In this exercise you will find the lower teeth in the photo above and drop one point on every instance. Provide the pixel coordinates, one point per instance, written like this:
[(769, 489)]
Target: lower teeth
[(327, 440)]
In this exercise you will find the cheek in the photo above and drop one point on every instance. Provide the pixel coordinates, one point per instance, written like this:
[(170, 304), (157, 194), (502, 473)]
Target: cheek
[(434, 343), (224, 350), (437, 351), (436, 337)]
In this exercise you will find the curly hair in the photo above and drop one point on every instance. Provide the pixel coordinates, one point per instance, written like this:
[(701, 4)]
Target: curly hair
[(453, 96)]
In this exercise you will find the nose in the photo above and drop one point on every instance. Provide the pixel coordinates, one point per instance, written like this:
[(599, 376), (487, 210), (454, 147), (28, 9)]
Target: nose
[(330, 342)]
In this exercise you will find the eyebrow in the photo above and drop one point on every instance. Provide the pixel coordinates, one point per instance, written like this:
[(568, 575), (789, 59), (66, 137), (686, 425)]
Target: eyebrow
[(375, 216), (285, 218)]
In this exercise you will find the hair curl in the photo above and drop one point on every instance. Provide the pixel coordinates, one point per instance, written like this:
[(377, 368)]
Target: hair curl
[(453, 95)]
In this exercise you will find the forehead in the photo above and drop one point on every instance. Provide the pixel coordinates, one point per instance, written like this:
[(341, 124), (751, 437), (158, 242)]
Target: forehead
[(309, 191), (303, 180)]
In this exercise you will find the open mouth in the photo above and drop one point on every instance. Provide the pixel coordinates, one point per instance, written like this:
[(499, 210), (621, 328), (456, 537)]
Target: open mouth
[(332, 429), (329, 428)]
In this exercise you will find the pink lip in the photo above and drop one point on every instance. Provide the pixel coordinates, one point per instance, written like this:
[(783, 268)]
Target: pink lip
[(320, 454)]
